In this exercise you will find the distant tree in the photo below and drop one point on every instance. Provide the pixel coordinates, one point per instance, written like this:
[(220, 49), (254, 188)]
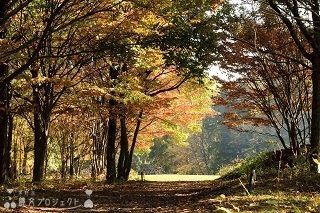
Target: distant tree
[(161, 155)]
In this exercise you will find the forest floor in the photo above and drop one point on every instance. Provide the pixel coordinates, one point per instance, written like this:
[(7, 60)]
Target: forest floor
[(269, 195)]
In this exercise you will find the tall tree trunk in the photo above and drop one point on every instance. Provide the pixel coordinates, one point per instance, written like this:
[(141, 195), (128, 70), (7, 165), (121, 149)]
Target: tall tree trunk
[(63, 156), (124, 150), (10, 167), (71, 155), (294, 139), (99, 137), (41, 128), (94, 165), (25, 158), (111, 151), (63, 169), (315, 122), (20, 158), (112, 131), (4, 108), (134, 141), (40, 146), (46, 164), (5, 123)]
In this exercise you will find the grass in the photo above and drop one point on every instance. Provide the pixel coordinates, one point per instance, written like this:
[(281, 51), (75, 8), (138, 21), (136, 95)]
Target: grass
[(289, 189), (269, 201), (176, 177)]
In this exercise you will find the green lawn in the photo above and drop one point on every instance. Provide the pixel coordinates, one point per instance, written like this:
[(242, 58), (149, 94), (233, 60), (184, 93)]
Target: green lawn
[(175, 177)]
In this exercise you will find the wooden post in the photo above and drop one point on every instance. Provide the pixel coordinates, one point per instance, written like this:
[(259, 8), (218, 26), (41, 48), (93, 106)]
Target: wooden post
[(252, 179), (142, 176)]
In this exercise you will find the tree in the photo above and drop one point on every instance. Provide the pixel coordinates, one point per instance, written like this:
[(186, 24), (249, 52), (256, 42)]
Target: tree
[(6, 124), (112, 131), (125, 53), (6, 127), (59, 60), (303, 22), (181, 43), (10, 44), (273, 87)]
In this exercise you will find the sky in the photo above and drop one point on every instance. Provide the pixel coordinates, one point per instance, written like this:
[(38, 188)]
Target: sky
[(215, 70)]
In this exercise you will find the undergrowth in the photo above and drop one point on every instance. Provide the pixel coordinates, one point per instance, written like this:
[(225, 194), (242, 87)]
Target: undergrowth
[(278, 187), (260, 162), (265, 166)]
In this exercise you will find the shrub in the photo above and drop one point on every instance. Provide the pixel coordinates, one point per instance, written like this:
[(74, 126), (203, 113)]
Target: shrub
[(261, 162)]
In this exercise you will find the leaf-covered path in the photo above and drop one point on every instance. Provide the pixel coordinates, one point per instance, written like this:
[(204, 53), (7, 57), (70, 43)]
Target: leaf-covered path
[(206, 196), (126, 197)]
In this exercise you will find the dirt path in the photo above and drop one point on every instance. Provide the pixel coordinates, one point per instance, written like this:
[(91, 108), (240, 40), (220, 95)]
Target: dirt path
[(207, 196), (127, 197)]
